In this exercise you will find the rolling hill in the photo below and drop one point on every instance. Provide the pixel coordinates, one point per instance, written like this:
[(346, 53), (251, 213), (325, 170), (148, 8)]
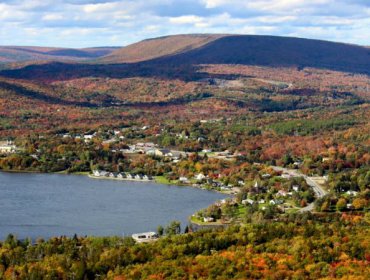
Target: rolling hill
[(196, 76), (182, 56), (13, 54)]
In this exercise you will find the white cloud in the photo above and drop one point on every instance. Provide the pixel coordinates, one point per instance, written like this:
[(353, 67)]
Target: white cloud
[(119, 22), (213, 3), (7, 13), (190, 19), (99, 8), (50, 17)]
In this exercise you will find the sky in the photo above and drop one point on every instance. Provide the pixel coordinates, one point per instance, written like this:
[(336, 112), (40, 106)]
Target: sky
[(87, 23)]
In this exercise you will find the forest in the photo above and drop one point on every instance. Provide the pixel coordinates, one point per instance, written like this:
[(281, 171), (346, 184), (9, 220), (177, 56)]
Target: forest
[(302, 247)]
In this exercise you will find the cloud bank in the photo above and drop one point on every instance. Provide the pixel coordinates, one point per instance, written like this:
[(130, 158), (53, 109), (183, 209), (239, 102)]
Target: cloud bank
[(86, 23)]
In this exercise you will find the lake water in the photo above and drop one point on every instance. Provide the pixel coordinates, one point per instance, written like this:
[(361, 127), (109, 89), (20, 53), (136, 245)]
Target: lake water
[(46, 205)]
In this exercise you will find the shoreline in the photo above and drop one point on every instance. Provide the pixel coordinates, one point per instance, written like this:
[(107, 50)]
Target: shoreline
[(82, 173), (119, 179), (88, 174)]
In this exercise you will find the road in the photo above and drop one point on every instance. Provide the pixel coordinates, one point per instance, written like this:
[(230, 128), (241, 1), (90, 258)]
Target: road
[(319, 191)]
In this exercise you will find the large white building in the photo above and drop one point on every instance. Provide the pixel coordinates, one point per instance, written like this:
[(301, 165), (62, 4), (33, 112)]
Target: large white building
[(145, 237)]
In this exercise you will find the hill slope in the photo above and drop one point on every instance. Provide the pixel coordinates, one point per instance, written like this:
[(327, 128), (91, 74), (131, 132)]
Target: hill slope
[(247, 50), (179, 57), (11, 54), (159, 47)]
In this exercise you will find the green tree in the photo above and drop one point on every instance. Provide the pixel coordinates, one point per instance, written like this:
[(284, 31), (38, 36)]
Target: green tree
[(173, 228), (160, 230), (341, 204)]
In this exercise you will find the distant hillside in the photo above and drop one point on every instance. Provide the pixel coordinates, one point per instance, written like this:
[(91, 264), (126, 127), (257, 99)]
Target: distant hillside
[(246, 50), (179, 57), (12, 54), (159, 47)]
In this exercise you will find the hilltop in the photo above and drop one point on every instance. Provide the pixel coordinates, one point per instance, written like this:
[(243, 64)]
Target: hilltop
[(159, 47), (246, 50)]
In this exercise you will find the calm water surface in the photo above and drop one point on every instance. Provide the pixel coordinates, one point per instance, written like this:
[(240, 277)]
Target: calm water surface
[(45, 205)]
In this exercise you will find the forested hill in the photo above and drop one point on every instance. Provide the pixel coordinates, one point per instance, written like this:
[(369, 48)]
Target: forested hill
[(159, 47), (12, 54), (180, 56), (247, 50)]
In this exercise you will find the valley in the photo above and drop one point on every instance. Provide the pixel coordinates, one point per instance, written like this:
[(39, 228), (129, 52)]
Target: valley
[(280, 123)]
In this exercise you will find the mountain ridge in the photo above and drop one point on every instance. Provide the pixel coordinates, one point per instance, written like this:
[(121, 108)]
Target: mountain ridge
[(182, 57), (263, 50), (157, 47)]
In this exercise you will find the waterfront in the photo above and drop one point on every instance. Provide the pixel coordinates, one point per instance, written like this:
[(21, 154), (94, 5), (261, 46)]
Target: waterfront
[(46, 205)]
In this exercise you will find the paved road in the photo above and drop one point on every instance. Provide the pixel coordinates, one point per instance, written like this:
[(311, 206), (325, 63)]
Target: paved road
[(319, 191)]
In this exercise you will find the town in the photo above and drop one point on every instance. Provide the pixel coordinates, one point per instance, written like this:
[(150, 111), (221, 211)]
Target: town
[(270, 191)]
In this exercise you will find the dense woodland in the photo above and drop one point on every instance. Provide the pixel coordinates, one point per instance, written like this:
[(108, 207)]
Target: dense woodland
[(299, 248)]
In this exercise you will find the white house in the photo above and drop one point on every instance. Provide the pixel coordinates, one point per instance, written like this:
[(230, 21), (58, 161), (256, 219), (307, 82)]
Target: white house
[(147, 178), (183, 179), (282, 193), (200, 177), (99, 173), (89, 137), (145, 237), (163, 153), (247, 201), (150, 152), (208, 219), (275, 202)]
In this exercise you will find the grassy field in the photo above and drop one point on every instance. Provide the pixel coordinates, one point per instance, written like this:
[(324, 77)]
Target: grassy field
[(163, 180)]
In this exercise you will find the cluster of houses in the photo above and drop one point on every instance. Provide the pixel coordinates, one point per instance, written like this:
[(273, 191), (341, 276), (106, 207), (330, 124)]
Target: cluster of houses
[(7, 147), (278, 197), (153, 150), (203, 180), (225, 155), (121, 175), (86, 137), (142, 148)]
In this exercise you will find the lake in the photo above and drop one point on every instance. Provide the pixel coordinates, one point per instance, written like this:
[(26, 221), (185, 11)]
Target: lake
[(46, 205)]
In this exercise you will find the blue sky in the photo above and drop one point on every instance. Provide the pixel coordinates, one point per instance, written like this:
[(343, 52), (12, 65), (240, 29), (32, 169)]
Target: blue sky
[(86, 23)]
